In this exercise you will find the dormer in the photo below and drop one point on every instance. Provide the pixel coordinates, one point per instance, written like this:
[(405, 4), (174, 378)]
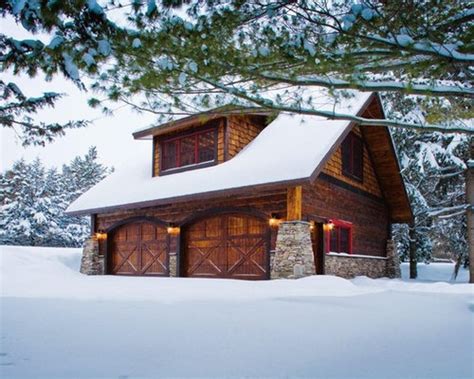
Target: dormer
[(202, 140)]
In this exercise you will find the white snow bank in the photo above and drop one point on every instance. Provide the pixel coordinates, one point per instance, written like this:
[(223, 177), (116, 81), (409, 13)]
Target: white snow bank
[(436, 272), (53, 273), (312, 327), (49, 273)]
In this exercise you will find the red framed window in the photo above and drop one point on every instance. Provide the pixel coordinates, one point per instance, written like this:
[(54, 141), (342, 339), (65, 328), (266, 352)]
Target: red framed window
[(353, 156), (190, 149), (339, 237)]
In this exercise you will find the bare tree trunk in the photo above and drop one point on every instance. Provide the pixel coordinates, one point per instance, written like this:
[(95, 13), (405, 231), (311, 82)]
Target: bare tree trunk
[(470, 210), (412, 249)]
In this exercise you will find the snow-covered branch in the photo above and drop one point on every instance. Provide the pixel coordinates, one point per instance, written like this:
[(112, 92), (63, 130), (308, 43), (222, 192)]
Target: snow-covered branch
[(369, 86), (449, 212), (271, 104)]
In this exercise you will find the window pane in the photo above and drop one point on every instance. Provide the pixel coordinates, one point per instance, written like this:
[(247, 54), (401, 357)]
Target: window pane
[(343, 240), (333, 240), (169, 155), (206, 151), (188, 150)]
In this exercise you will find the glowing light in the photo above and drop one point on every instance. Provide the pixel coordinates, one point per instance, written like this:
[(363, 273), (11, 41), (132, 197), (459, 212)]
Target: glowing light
[(329, 225), (173, 230), (100, 235), (274, 221)]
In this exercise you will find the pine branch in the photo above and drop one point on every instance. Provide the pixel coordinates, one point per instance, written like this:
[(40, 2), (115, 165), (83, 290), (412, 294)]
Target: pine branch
[(371, 86), (267, 103)]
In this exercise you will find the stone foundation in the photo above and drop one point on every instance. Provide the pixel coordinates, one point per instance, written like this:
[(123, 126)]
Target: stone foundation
[(293, 256), (392, 269), (173, 265), (92, 263), (349, 266)]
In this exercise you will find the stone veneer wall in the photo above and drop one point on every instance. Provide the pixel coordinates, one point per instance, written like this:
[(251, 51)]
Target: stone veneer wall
[(92, 263), (392, 269), (293, 256), (173, 265), (349, 266)]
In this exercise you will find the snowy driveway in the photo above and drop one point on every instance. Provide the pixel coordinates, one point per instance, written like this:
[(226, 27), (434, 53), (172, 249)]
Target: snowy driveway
[(321, 327)]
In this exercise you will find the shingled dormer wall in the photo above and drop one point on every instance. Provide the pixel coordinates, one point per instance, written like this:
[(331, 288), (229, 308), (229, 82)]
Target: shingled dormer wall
[(241, 131), (234, 132), (369, 183)]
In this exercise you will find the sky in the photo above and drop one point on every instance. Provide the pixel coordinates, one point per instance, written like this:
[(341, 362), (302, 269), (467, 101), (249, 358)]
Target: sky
[(112, 135)]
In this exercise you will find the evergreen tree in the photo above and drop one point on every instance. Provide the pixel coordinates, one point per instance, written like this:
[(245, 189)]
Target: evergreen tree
[(432, 167), (33, 201)]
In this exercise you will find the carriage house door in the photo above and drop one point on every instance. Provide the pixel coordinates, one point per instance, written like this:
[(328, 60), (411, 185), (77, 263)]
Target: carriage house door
[(138, 248), (227, 246)]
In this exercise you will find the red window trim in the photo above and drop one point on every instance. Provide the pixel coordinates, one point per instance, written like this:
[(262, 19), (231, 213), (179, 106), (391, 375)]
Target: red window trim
[(338, 224), (350, 172), (181, 136)]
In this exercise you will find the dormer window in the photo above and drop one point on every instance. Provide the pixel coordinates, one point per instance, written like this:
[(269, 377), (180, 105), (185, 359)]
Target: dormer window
[(189, 150), (353, 157)]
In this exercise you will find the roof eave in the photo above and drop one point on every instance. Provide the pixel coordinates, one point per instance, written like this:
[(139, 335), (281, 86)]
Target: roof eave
[(191, 197), (199, 119)]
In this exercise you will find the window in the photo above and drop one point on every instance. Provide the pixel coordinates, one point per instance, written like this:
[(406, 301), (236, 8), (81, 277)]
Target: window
[(339, 238), (198, 148), (353, 156)]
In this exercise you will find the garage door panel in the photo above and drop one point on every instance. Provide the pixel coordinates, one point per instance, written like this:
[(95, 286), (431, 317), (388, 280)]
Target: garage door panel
[(139, 248), (231, 252), (247, 257), (236, 226)]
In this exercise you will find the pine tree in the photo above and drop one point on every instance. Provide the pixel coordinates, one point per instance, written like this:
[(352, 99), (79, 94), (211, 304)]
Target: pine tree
[(33, 201), (432, 167)]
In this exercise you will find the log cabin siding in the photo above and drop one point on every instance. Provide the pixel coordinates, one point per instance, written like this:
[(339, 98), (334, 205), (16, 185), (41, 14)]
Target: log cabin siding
[(369, 183), (368, 214), (265, 202)]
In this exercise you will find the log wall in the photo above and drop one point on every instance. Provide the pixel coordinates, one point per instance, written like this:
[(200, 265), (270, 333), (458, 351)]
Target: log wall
[(266, 202), (367, 213)]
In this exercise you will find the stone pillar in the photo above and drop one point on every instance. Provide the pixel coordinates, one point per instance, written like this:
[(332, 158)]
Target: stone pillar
[(92, 263), (294, 252), (392, 268), (173, 268)]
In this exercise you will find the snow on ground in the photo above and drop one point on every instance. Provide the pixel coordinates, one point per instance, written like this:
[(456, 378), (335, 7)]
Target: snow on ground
[(57, 323)]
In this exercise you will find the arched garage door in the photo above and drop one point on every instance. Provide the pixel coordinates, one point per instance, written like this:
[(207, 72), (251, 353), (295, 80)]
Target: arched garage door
[(138, 248), (227, 246)]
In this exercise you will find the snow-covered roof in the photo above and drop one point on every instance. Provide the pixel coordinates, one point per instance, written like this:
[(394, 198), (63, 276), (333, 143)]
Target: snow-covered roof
[(292, 148)]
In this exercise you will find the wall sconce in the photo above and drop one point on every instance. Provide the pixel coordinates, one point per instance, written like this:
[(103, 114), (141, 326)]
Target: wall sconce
[(312, 225), (173, 230), (274, 221), (101, 235), (328, 226)]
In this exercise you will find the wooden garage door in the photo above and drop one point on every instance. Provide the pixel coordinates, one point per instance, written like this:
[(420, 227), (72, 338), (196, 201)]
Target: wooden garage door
[(227, 246), (138, 248)]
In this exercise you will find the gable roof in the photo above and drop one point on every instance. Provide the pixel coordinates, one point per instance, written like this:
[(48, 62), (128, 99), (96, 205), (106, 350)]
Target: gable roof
[(291, 150)]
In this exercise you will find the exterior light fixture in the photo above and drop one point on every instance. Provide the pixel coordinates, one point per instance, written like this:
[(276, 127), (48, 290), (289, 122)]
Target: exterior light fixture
[(274, 221), (328, 226), (312, 225), (101, 235), (173, 230)]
